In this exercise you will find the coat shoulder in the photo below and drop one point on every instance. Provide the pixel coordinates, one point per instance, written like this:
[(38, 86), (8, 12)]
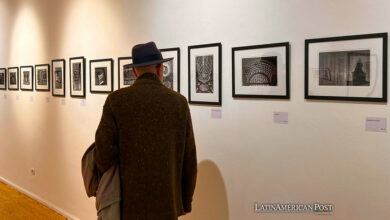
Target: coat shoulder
[(118, 95)]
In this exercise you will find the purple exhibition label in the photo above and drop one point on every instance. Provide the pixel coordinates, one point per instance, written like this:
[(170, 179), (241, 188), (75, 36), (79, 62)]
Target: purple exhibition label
[(376, 124), (281, 117), (216, 113)]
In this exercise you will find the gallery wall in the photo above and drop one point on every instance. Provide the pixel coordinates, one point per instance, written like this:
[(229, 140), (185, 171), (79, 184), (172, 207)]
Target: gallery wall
[(322, 155)]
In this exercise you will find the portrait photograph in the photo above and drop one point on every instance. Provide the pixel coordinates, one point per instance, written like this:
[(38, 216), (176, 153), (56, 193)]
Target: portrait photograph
[(101, 75), (77, 77), (27, 78), (58, 77), (204, 74), (126, 76), (261, 71), (42, 77), (351, 68), (3, 79), (171, 69)]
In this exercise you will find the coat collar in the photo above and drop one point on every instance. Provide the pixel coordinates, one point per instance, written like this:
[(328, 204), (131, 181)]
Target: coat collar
[(148, 78)]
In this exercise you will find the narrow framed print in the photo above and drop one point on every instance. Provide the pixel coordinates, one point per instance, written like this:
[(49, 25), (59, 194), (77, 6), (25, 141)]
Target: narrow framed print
[(77, 77), (171, 75), (3, 79), (126, 76), (205, 74), (27, 78), (101, 75), (351, 68), (58, 77), (261, 71), (42, 77), (13, 78)]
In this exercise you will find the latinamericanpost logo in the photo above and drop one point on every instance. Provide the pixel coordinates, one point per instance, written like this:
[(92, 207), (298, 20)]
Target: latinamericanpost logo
[(315, 208)]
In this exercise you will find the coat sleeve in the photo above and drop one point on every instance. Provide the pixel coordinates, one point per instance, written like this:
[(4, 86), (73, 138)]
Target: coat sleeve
[(189, 172), (106, 139)]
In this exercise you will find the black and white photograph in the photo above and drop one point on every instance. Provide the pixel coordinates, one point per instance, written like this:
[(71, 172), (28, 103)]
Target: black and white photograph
[(126, 76), (171, 76), (13, 78), (204, 74), (168, 74), (101, 75), (42, 77), (3, 79), (351, 68), (77, 77), (261, 71), (27, 78), (58, 77), (345, 68)]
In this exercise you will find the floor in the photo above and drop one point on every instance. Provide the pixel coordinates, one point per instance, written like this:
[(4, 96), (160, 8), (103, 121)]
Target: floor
[(15, 205)]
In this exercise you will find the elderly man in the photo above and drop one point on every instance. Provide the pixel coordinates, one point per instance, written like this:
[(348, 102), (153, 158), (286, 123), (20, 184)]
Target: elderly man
[(147, 128)]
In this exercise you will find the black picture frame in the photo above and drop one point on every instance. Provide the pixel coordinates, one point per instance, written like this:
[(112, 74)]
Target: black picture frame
[(53, 77), (5, 78), (83, 59), (309, 42), (111, 73), (32, 78), (177, 50), (36, 77), (120, 59), (17, 78), (262, 46), (194, 47)]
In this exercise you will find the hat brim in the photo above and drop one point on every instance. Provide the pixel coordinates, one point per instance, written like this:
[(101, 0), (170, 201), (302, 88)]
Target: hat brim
[(147, 63)]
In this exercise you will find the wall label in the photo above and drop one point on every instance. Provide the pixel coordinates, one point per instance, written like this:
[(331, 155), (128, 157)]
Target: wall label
[(216, 113), (83, 102), (281, 117), (376, 124), (63, 102), (47, 99), (5, 96), (31, 99)]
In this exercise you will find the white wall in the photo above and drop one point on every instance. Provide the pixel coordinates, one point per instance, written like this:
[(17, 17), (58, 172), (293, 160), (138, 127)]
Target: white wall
[(322, 155)]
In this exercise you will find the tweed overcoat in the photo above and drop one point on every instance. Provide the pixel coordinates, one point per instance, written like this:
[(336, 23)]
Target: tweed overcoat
[(147, 128)]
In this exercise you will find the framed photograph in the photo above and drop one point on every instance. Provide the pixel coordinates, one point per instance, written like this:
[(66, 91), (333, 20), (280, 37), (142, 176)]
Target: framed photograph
[(126, 76), (205, 74), (77, 77), (13, 78), (58, 77), (352, 68), (42, 77), (261, 71), (101, 75), (27, 78), (171, 75), (3, 79)]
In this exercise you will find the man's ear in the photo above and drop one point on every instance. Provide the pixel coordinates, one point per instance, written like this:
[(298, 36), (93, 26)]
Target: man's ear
[(160, 70), (135, 73)]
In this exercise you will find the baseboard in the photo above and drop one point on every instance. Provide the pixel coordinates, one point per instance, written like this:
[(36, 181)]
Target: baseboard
[(39, 199)]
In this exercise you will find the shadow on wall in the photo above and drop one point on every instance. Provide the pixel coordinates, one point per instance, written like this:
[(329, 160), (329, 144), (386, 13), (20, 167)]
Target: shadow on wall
[(210, 199)]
